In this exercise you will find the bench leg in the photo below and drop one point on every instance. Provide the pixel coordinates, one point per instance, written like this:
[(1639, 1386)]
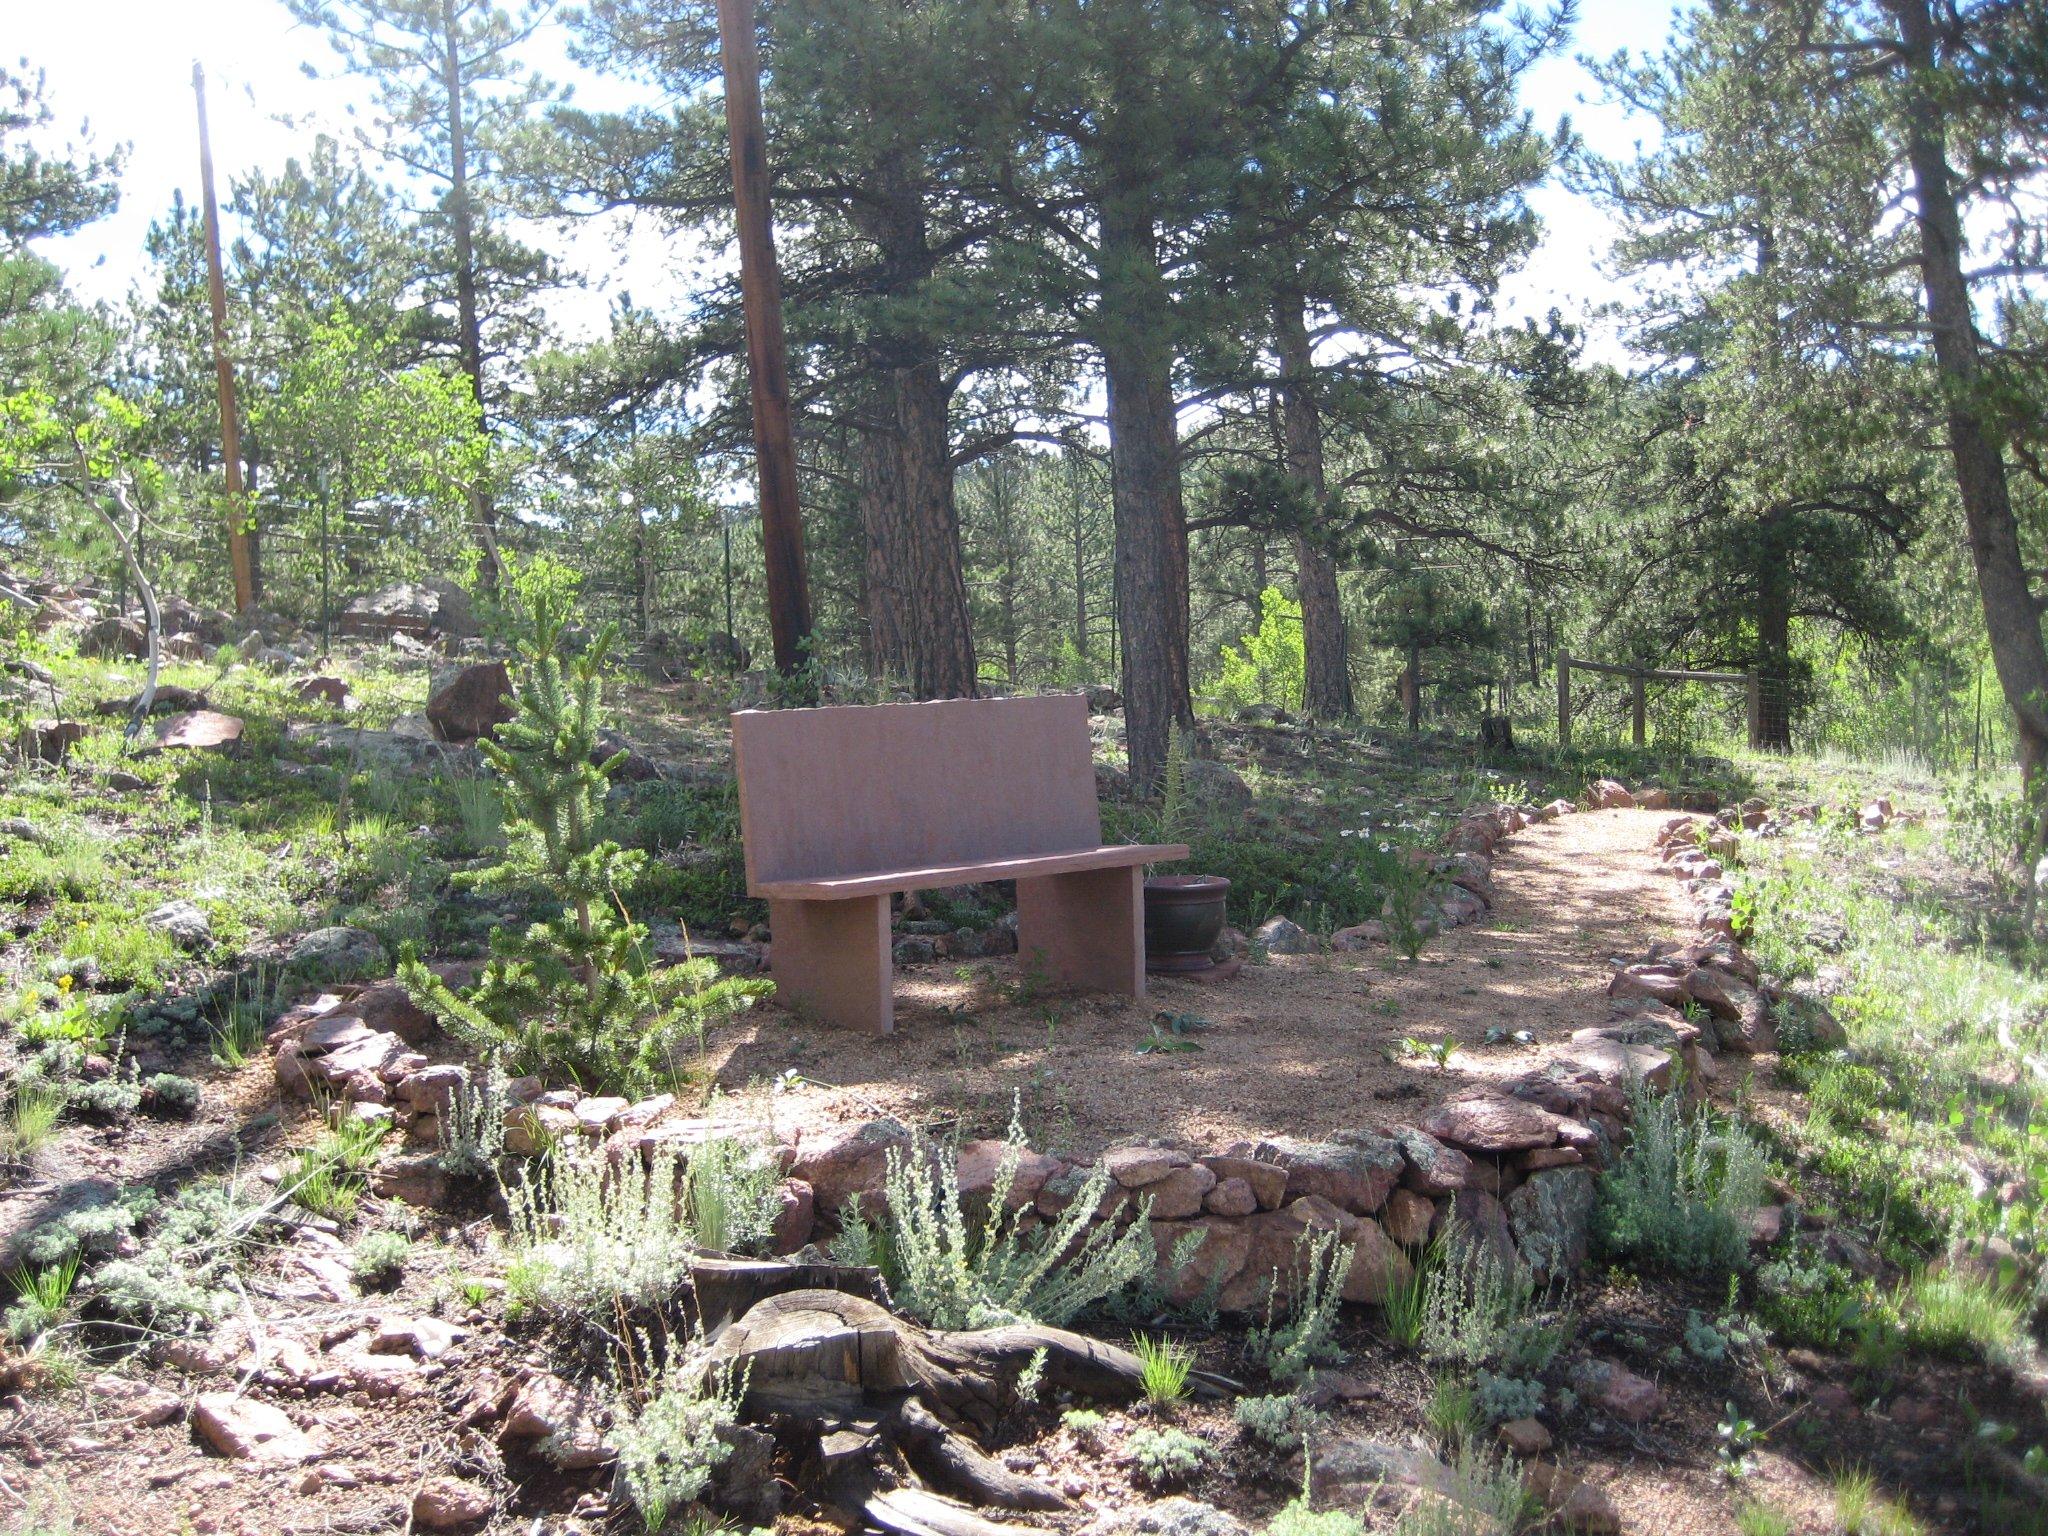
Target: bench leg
[(1088, 927), (831, 960)]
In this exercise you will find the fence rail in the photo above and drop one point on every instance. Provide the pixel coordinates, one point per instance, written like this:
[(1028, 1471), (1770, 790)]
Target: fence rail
[(1639, 678)]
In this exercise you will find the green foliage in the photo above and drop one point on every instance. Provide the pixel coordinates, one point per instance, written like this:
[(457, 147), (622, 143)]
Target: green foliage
[(180, 1277), (379, 1258), (1282, 1421), (950, 1272), (586, 1238), (1954, 1311), (1500, 1398), (1297, 1518), (1267, 665), (731, 1194), (31, 1119), (41, 1299), (1292, 1346), (1684, 1188), (668, 1440), (573, 992), (1164, 1365), (1474, 1302), (473, 1130), (166, 1093), (1163, 1457)]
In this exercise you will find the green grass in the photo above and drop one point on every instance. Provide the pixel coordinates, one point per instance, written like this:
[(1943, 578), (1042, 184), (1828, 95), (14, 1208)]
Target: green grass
[(32, 1116), (1164, 1366), (1959, 1314), (1759, 1519), (1861, 1510)]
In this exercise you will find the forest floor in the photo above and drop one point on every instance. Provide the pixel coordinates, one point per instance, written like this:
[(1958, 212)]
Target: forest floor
[(1851, 1407), (1298, 1045)]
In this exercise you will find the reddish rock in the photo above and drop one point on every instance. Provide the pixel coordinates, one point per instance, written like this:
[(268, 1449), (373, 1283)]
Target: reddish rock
[(1524, 1438), (1589, 1511), (1378, 1265), (1652, 798), (551, 1409), (981, 1163), (1660, 981), (48, 741), (1431, 1167), (331, 691), (849, 1159), (1481, 1223), (1408, 1217), (199, 729), (1136, 1167), (532, 1128), (244, 1429), (1217, 1257), (449, 1503), (468, 702), (1610, 795), (1721, 952), (386, 1005), (1355, 1172), (796, 1215), (1179, 1195), (1491, 1124), (423, 1338), (1231, 1197), (1268, 1180), (1619, 1392)]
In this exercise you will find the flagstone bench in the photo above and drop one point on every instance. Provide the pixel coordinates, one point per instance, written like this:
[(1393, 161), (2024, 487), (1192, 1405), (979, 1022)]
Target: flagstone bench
[(842, 808)]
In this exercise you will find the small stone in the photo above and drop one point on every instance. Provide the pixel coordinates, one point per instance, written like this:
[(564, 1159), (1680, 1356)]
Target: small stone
[(1590, 1511), (423, 1338), (1524, 1438), (446, 1503), (247, 1430), (1619, 1392), (1282, 936), (1136, 1167), (598, 1114), (1231, 1197)]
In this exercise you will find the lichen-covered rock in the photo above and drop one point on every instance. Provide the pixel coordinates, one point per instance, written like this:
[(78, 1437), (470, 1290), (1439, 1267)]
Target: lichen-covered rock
[(1283, 936), (1354, 1171), (1491, 1123), (337, 954), (1551, 1215)]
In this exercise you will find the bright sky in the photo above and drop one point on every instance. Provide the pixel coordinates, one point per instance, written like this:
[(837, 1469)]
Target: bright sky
[(125, 66)]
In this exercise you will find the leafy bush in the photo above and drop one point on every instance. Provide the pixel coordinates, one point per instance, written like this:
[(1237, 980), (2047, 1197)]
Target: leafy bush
[(92, 1229), (1684, 1189), (572, 992), (1267, 666), (378, 1258), (1307, 1337), (1483, 1495), (732, 1196), (1282, 1421), (586, 1236), (180, 1276), (951, 1273), (1500, 1398), (669, 1443), (166, 1093), (1166, 1456)]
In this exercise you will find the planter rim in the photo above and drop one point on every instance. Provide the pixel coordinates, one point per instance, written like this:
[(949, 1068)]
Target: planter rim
[(1199, 884)]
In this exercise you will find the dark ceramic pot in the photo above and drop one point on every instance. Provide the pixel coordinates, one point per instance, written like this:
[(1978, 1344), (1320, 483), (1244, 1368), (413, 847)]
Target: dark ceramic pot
[(1183, 920)]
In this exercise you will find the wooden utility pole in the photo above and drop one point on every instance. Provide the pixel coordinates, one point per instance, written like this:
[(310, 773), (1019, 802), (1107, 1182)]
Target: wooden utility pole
[(782, 530), (241, 541)]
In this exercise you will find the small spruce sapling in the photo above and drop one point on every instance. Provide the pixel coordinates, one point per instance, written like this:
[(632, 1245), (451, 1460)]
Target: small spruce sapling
[(571, 992)]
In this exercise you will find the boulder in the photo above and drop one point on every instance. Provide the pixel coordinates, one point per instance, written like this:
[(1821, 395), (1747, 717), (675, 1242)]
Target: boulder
[(1660, 981), (468, 703), (982, 1163), (842, 1161), (199, 729), (796, 1215), (1618, 1392), (49, 741), (1551, 1215), (1432, 1168), (449, 1503), (1216, 1256), (331, 691), (336, 954), (1408, 1217), (1491, 1123), (246, 1429), (1610, 795), (1231, 1197), (188, 925), (115, 637), (417, 608), (1283, 936), (1217, 789), (1268, 1180), (1354, 1172), (550, 1409)]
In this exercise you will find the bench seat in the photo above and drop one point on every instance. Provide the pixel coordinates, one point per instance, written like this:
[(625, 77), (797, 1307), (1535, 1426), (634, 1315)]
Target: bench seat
[(888, 882)]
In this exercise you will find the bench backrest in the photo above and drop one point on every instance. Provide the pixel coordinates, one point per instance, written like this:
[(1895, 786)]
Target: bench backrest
[(860, 788)]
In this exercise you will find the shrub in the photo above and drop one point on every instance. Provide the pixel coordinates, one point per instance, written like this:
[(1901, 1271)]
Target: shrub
[(1165, 1456), (1453, 1410), (1474, 1301), (113, 1097), (586, 1237), (379, 1258), (1481, 1495), (1164, 1366), (1684, 1189), (949, 1272), (1500, 1398), (473, 1132), (1289, 1349), (1282, 1421), (166, 1093), (731, 1194), (669, 1443), (572, 992), (1297, 1519), (179, 1277)]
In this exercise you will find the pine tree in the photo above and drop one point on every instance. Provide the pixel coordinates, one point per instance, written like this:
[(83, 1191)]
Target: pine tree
[(571, 992)]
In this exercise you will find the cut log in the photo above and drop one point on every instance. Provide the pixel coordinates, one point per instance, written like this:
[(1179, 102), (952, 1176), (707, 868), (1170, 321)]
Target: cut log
[(953, 1464), (914, 1512), (726, 1289), (823, 1355)]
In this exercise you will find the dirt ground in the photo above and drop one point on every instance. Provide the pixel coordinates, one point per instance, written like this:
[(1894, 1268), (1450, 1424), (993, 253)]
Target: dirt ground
[(1301, 1045)]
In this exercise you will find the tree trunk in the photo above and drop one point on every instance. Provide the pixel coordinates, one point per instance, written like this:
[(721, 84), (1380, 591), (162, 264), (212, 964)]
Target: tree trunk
[(1774, 656), (469, 326), (881, 521), (2011, 615), (1411, 685), (1326, 662), (1145, 489)]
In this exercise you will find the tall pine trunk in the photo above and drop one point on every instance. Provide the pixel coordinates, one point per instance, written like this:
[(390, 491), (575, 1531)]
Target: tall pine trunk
[(1326, 662), (469, 324), (2011, 614), (919, 626), (1145, 491)]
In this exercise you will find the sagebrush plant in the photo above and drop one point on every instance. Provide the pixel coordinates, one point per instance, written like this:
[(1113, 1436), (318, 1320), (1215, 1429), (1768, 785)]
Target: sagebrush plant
[(1480, 1493), (1162, 1457), (952, 1272), (1474, 1301), (1684, 1190), (1282, 1421), (1291, 1346), (573, 992), (667, 1436), (731, 1195), (182, 1275), (1501, 1397), (378, 1258), (586, 1236), (473, 1130), (1299, 1519)]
